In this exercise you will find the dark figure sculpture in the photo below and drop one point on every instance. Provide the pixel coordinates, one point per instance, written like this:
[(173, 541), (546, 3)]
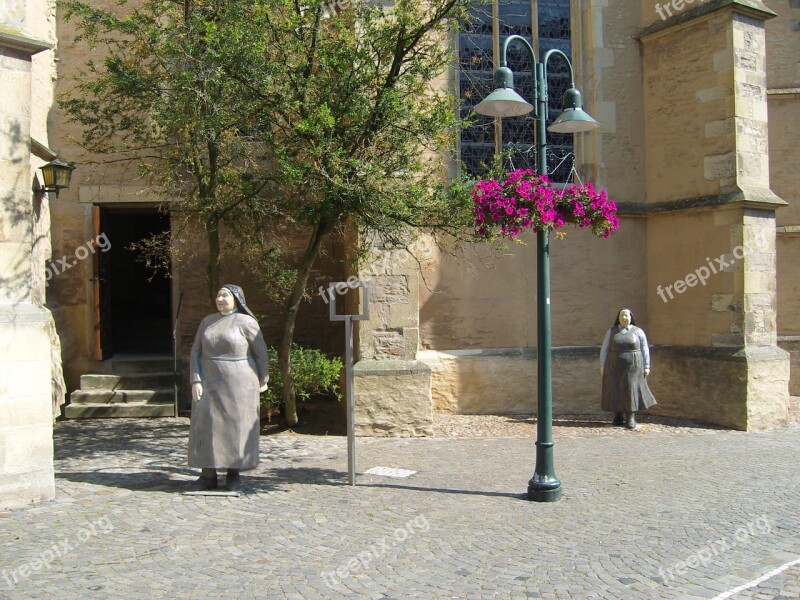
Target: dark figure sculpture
[(229, 366), (624, 367)]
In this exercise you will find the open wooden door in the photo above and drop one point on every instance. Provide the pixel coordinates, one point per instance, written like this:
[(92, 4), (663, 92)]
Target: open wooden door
[(103, 347)]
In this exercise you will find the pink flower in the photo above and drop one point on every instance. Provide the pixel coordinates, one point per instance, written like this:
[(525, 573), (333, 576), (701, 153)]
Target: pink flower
[(525, 200)]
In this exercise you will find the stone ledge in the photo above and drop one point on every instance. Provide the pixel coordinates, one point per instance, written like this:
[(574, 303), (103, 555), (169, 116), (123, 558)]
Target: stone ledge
[(118, 194), (16, 39), (751, 197), (731, 354), (784, 92), (753, 8), (788, 230), (389, 367)]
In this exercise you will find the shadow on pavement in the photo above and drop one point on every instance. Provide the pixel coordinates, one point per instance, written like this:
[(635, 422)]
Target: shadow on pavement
[(445, 490), (164, 480)]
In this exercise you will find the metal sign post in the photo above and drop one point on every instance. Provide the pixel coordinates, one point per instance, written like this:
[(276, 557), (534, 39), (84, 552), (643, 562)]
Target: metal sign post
[(334, 289)]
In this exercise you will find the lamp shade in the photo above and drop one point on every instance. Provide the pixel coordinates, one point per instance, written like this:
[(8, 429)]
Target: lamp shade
[(57, 175), (573, 118), (504, 101)]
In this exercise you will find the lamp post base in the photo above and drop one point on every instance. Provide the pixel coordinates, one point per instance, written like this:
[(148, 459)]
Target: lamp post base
[(544, 489)]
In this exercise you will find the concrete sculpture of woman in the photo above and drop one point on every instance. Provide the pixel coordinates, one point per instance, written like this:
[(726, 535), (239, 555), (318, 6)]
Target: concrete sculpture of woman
[(229, 366), (624, 367)]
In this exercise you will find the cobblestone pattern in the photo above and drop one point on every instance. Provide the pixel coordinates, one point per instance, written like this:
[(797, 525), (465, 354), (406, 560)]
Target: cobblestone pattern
[(650, 514)]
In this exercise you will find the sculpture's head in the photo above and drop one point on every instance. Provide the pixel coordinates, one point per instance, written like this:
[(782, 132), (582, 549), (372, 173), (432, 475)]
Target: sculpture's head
[(625, 318), (225, 301), (231, 297)]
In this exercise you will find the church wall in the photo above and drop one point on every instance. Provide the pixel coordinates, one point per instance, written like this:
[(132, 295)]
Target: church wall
[(477, 313), (478, 320), (26, 390)]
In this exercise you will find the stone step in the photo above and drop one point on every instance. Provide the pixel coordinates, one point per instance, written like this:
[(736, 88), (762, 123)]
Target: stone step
[(124, 364), (133, 381), (129, 409), (123, 396)]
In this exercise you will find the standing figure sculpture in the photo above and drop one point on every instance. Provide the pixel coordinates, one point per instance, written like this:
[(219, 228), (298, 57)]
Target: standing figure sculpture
[(624, 367), (229, 367)]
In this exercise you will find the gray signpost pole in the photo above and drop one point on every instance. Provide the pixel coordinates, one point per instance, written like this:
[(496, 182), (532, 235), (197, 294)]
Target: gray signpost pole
[(351, 408), (333, 290)]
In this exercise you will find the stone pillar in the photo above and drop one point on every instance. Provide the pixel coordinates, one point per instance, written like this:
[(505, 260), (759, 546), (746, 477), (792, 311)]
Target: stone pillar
[(392, 388), (26, 414), (711, 218)]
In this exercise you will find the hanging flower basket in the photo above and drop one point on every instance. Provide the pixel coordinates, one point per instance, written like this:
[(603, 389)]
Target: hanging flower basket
[(525, 200)]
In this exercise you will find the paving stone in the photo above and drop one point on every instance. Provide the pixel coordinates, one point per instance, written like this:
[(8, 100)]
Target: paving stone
[(642, 516)]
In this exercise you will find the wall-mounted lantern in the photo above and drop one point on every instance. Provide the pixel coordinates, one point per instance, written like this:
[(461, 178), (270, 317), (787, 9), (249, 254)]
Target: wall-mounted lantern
[(57, 175)]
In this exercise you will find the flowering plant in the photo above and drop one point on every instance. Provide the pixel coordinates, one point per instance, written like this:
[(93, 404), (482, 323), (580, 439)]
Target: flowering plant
[(525, 200)]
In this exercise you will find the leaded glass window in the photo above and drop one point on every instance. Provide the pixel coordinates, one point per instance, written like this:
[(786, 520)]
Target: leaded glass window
[(476, 79)]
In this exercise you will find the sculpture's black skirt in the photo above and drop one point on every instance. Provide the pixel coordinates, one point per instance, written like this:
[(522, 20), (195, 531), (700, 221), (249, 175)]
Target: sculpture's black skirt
[(625, 388)]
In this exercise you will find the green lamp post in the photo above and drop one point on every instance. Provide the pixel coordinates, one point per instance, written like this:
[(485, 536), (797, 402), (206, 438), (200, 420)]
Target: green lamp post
[(544, 486)]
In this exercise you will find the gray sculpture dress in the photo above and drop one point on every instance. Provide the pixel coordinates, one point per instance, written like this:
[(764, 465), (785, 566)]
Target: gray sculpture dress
[(625, 356), (229, 357)]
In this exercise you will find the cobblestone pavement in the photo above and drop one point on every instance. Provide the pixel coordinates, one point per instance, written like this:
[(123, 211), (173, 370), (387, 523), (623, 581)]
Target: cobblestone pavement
[(656, 513)]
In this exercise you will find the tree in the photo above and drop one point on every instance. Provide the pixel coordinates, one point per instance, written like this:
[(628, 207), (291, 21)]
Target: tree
[(280, 118)]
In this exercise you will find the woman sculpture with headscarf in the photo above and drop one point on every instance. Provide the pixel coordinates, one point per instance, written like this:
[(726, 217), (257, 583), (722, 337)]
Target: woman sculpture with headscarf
[(624, 367), (228, 368)]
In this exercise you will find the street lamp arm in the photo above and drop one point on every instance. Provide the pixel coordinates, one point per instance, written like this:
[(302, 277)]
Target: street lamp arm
[(553, 51), (525, 43), (535, 91), (547, 55)]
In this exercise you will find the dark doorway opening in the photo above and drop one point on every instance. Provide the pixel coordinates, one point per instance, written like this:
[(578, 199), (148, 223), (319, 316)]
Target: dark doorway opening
[(135, 301)]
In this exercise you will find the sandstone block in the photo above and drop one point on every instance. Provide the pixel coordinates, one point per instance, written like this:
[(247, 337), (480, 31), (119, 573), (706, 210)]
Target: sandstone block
[(392, 398)]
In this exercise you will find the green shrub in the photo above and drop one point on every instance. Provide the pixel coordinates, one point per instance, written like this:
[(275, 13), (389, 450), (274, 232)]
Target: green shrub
[(312, 373)]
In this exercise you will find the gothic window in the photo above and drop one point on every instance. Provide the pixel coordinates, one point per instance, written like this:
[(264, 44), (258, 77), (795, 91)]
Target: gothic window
[(478, 142)]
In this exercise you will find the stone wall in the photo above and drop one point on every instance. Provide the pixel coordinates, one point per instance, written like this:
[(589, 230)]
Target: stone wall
[(726, 387), (487, 299), (710, 209), (503, 380), (688, 166), (783, 81), (26, 391), (686, 147)]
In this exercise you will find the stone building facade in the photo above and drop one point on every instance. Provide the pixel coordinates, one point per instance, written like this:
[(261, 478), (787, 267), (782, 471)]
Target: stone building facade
[(695, 145), (30, 378), (699, 111), (697, 105)]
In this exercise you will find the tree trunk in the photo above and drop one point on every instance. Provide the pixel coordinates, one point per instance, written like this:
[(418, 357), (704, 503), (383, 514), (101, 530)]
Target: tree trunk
[(292, 308), (212, 268)]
